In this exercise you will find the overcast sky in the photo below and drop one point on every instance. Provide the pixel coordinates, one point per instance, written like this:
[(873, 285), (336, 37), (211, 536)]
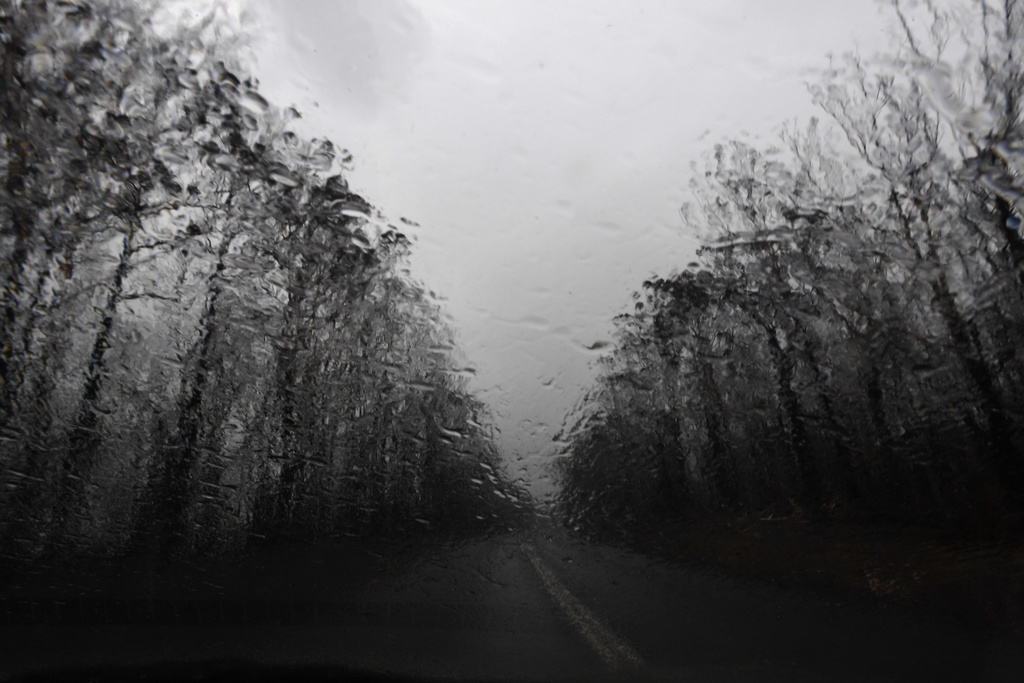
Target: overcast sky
[(545, 149)]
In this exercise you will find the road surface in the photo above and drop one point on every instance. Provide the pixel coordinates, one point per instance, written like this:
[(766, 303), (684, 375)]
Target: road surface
[(521, 606)]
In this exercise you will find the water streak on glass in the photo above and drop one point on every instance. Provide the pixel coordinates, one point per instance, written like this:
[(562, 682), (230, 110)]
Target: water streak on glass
[(519, 341)]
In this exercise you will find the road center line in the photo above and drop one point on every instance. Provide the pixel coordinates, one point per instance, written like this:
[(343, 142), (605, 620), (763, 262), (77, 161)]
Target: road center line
[(615, 651)]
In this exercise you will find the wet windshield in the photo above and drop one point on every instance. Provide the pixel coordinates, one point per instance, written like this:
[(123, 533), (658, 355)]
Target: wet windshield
[(512, 340)]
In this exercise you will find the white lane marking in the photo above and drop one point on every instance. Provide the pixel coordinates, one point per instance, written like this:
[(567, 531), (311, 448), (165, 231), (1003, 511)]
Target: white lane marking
[(615, 651)]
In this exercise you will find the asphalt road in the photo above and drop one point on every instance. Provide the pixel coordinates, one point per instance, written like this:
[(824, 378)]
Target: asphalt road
[(522, 606)]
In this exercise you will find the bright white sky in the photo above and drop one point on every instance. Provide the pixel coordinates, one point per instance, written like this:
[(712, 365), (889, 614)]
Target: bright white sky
[(545, 148)]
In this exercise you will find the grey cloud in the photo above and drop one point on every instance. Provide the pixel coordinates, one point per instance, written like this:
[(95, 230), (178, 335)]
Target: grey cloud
[(366, 49)]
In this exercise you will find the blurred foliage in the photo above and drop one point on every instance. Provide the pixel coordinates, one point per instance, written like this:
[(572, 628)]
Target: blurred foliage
[(847, 347), (206, 336)]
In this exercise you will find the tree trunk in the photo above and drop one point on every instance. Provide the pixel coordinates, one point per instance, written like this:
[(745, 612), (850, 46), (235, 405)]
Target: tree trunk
[(177, 482), (85, 438), (721, 475), (19, 146)]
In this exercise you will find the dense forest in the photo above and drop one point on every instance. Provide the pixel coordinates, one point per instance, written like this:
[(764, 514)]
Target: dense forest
[(206, 336), (847, 346)]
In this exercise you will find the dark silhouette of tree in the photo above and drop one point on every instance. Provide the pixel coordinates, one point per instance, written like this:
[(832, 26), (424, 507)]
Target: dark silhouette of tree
[(207, 337), (846, 348)]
